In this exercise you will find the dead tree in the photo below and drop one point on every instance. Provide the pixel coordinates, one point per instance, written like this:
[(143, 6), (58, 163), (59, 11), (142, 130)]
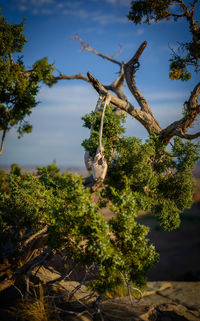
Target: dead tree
[(144, 115)]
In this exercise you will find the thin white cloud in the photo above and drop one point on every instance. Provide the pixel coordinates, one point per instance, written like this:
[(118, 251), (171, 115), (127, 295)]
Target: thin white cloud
[(167, 95), (36, 3), (161, 98), (22, 8), (105, 19), (140, 31), (58, 131), (111, 1), (72, 8), (73, 99), (97, 30), (46, 11), (68, 4), (40, 3), (125, 3), (95, 16), (77, 100)]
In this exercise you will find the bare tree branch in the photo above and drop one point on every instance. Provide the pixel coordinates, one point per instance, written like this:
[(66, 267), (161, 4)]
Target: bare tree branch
[(193, 7), (67, 77), (146, 119), (35, 236), (33, 263), (194, 4), (11, 58), (144, 115), (117, 84), (177, 128), (86, 46), (185, 8), (130, 68), (190, 136), (118, 53), (189, 15), (3, 141), (62, 277), (193, 100), (176, 15), (180, 127)]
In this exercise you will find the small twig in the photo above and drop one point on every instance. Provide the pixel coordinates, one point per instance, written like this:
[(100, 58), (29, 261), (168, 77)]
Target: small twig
[(18, 291), (3, 141), (77, 287), (67, 77), (118, 53), (30, 265), (137, 290), (73, 312), (33, 236), (96, 305), (11, 58), (86, 46), (62, 277)]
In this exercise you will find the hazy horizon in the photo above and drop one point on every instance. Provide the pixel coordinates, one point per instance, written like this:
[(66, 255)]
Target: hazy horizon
[(57, 126)]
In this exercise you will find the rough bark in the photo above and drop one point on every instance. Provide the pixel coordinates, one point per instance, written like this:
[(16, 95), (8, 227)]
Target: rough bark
[(143, 114), (146, 119), (86, 46), (66, 77), (3, 141), (31, 251), (180, 127)]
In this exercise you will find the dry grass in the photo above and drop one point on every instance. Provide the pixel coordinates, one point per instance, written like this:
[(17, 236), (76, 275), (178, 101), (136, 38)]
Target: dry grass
[(124, 291), (37, 307)]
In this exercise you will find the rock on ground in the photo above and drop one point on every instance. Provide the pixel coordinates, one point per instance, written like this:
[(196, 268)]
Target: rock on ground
[(162, 301)]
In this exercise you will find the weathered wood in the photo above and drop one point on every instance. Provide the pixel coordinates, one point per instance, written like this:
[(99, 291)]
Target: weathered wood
[(144, 115)]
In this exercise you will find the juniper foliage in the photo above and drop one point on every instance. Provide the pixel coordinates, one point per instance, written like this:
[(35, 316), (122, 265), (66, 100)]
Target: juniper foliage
[(18, 85)]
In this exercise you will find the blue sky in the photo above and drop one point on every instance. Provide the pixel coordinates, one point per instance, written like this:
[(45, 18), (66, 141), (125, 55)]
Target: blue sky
[(57, 125)]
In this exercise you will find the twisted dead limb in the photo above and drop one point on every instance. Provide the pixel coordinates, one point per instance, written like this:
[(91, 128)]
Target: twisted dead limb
[(179, 128), (144, 115), (146, 119), (3, 141)]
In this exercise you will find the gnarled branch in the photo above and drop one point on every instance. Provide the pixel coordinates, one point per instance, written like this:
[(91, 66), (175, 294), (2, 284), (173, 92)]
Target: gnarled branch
[(3, 141), (146, 119), (87, 47), (180, 127), (144, 115), (130, 69), (67, 77), (117, 84), (190, 136)]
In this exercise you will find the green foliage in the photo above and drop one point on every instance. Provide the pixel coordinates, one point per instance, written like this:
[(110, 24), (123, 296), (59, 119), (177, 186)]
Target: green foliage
[(112, 129), (42, 71), (118, 248), (131, 156), (141, 176), (2, 179), (49, 170), (18, 86), (16, 170), (156, 180), (12, 37), (147, 11), (178, 69)]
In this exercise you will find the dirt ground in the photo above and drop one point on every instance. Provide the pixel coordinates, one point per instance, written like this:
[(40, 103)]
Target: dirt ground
[(179, 250)]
